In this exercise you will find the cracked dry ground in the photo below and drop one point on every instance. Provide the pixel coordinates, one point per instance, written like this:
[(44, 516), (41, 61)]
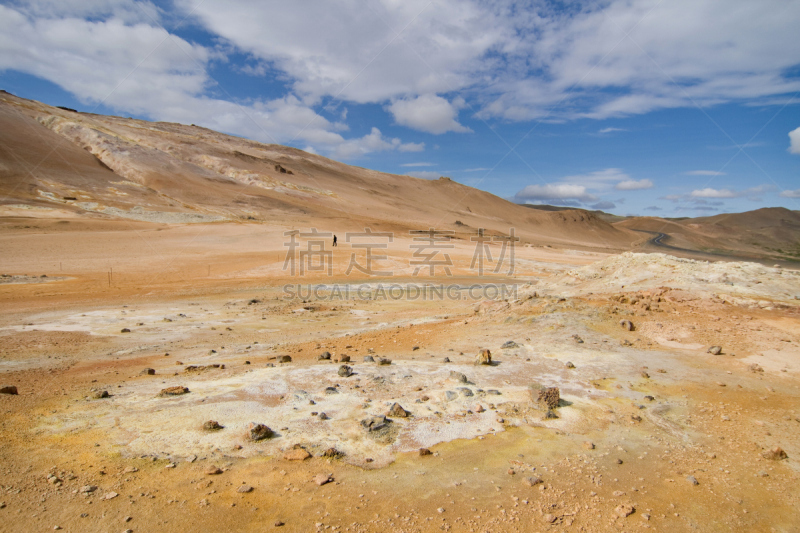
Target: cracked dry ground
[(652, 432)]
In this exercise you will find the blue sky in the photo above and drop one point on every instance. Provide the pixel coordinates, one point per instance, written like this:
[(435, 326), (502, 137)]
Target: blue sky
[(646, 107)]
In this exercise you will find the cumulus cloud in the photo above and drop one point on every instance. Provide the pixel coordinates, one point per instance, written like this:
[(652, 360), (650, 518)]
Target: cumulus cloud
[(555, 191), (634, 185), (428, 113), (791, 194), (794, 141), (708, 192)]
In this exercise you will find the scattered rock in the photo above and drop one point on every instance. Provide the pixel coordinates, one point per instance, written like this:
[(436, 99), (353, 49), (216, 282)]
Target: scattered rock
[(755, 367), (322, 479), (549, 518), (532, 481), (110, 495), (173, 391), (424, 451), (446, 360), (323, 416), (589, 445), (148, 372), (284, 359), (775, 454), (375, 423), (324, 356), (450, 395), (9, 389), (467, 393), (624, 510), (509, 345), (332, 453), (649, 398), (384, 361), (550, 415), (279, 523), (645, 375), (369, 359), (97, 395), (479, 408), (260, 431), (88, 489), (627, 325), (577, 339), (211, 425), (345, 371), (213, 471), (569, 364), (550, 396), (397, 411), (125, 330), (692, 480), (343, 358), (331, 390), (244, 489), (458, 377), (484, 357), (297, 454), (715, 350)]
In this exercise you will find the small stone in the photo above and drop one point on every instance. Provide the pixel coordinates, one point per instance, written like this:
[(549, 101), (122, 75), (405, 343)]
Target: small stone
[(384, 361), (775, 454), (345, 371), (87, 489), (532, 481), (569, 364), (458, 377), (110, 496), (322, 479), (244, 489), (260, 431), (755, 367), (479, 408), (508, 345), (125, 330), (627, 325), (715, 350), (278, 523), (551, 415), (100, 394), (645, 375), (213, 471), (284, 359), (649, 398), (549, 518), (332, 453), (624, 510), (212, 425), (589, 445), (369, 359), (692, 480), (440, 510), (446, 360), (424, 451), (511, 472), (484, 357), (323, 416), (297, 454), (397, 411), (128, 518), (324, 356), (9, 389), (130, 470), (450, 395), (148, 372), (173, 391)]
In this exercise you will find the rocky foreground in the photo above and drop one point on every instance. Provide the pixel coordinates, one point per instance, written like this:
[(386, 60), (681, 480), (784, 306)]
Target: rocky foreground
[(638, 392)]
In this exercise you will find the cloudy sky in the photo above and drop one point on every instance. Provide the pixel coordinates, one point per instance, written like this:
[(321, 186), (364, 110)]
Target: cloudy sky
[(650, 107)]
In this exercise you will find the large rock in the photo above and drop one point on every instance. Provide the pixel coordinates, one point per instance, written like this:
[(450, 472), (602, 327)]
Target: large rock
[(259, 431), (345, 371), (9, 389), (173, 391), (375, 423), (715, 350), (550, 396), (622, 510), (322, 479), (458, 377), (397, 411), (324, 356), (484, 357)]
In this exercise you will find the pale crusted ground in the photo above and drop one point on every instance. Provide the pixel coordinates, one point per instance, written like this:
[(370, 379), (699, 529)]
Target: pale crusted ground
[(641, 410)]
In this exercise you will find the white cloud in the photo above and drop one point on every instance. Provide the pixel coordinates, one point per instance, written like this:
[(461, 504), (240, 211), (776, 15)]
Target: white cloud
[(634, 185), (428, 113), (424, 174), (555, 191), (704, 173), (791, 194), (372, 142), (477, 169), (411, 147), (610, 130), (794, 141), (418, 165), (708, 192)]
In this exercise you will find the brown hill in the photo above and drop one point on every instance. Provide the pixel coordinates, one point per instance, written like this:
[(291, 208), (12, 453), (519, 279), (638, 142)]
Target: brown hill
[(59, 163)]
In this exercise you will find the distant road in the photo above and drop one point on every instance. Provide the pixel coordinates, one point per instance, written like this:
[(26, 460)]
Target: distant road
[(658, 242)]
